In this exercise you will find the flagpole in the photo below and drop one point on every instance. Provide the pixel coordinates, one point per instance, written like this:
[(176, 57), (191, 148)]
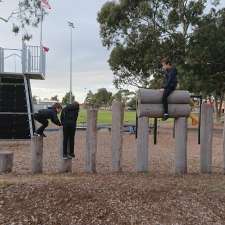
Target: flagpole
[(71, 62), (42, 15), (41, 46), (71, 25)]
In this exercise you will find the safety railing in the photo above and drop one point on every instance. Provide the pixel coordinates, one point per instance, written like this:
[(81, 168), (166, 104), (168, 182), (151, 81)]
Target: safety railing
[(28, 60)]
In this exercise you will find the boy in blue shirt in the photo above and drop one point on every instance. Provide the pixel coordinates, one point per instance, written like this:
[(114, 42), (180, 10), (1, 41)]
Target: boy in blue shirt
[(170, 84)]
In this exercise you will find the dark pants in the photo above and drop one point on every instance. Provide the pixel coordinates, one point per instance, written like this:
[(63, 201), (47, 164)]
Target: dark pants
[(42, 121), (166, 94), (68, 137)]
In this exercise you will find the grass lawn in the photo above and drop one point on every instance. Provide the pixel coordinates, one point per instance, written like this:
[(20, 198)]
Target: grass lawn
[(105, 117)]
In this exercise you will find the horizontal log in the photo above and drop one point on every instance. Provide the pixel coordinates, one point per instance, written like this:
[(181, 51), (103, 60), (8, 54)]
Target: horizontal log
[(156, 110), (151, 96)]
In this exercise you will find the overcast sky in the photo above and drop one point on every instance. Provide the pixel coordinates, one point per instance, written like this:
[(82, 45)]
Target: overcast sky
[(90, 67)]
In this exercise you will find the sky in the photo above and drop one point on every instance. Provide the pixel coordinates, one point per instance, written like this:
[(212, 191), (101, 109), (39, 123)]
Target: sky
[(90, 67)]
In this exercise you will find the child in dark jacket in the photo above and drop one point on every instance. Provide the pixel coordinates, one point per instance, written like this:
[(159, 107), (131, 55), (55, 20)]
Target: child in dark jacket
[(170, 84), (69, 122), (44, 115)]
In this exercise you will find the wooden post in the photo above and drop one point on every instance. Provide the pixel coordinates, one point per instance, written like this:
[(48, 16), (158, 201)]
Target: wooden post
[(206, 138), (37, 154), (91, 141), (117, 137), (6, 162), (224, 145), (65, 165), (181, 145), (142, 144)]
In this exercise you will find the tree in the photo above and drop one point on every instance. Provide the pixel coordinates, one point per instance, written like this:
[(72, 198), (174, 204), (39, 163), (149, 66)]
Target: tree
[(132, 104), (123, 96), (207, 58), (55, 98), (66, 99), (34, 99), (103, 97), (27, 14), (90, 100)]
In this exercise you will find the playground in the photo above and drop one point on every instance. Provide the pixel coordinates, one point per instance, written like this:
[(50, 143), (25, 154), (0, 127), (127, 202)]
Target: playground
[(135, 135), (155, 197)]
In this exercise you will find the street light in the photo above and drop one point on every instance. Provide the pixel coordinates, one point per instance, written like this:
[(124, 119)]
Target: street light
[(71, 25)]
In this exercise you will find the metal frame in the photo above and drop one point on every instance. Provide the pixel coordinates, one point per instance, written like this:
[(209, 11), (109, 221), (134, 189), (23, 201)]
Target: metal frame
[(33, 61), (28, 106)]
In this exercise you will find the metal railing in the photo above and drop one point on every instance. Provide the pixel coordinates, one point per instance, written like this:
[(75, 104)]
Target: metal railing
[(29, 60)]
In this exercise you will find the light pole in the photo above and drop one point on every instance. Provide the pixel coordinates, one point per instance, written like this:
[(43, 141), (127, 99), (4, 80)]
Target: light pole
[(71, 25)]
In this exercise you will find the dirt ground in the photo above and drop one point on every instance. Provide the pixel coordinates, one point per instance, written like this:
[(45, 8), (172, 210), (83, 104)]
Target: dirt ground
[(154, 198)]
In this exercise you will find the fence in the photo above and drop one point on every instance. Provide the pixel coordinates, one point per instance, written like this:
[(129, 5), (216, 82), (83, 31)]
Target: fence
[(112, 144), (28, 60)]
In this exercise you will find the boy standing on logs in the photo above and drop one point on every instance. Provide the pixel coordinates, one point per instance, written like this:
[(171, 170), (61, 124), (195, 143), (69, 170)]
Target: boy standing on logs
[(170, 84), (44, 115), (69, 122)]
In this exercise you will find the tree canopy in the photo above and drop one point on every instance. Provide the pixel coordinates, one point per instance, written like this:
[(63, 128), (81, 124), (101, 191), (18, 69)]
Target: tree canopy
[(28, 13), (139, 33)]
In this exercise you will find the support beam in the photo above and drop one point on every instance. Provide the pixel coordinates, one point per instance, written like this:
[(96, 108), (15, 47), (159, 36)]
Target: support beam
[(91, 141), (6, 162), (224, 145), (181, 145), (117, 137), (206, 138), (65, 165), (142, 144), (152, 96), (37, 154), (157, 111)]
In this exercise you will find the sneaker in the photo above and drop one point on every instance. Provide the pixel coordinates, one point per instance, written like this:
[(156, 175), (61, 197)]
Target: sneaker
[(72, 155), (165, 117), (43, 135), (65, 157), (36, 134)]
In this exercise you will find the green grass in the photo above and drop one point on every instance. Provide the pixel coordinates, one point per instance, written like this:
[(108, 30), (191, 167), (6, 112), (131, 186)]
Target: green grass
[(105, 117)]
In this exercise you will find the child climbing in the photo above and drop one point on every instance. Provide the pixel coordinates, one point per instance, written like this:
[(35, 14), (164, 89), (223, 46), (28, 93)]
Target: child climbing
[(44, 115)]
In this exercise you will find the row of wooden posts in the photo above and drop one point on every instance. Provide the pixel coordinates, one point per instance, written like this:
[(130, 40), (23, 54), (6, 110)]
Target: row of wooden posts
[(142, 159)]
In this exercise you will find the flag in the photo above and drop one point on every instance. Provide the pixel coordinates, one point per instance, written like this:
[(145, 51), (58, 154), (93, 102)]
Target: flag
[(45, 3), (71, 24), (46, 49)]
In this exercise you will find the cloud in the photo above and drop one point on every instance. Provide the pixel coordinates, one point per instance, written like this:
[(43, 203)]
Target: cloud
[(82, 82)]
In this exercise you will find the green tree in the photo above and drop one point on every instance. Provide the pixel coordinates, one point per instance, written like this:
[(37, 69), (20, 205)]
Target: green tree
[(27, 14), (207, 58), (90, 100), (141, 32), (103, 97), (55, 98), (132, 103), (123, 96), (66, 99)]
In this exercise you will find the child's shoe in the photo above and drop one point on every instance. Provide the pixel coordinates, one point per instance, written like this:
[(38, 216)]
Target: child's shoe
[(165, 116)]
